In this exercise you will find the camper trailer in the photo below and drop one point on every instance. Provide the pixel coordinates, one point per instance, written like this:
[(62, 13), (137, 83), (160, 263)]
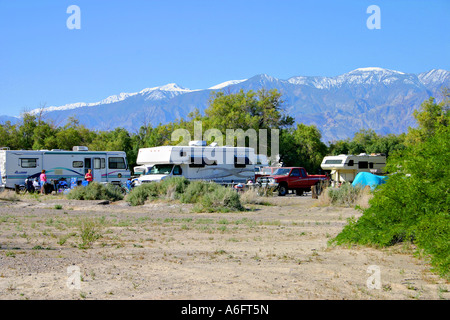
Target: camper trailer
[(106, 166), (197, 161), (344, 168)]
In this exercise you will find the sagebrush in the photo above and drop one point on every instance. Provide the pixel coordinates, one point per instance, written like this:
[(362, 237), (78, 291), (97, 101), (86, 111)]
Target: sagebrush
[(207, 196), (96, 191)]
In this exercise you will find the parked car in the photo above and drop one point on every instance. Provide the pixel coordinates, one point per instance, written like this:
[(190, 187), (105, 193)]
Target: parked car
[(285, 179)]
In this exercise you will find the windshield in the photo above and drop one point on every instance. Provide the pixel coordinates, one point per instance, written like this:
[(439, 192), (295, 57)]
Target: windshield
[(161, 169), (282, 172), (267, 170)]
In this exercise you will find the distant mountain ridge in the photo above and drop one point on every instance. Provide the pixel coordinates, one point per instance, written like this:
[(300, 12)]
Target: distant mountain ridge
[(376, 98)]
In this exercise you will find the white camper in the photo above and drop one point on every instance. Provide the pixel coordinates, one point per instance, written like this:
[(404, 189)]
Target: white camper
[(106, 166), (344, 168), (224, 165)]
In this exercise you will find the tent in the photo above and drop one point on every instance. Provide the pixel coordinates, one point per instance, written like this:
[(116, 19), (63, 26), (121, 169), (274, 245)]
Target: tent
[(368, 179)]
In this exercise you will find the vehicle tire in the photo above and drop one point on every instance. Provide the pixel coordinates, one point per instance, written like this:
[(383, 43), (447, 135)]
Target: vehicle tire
[(283, 190), (299, 192)]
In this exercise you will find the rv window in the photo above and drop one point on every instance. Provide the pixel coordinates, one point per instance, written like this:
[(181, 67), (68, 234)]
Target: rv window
[(97, 163), (28, 163), (371, 165), (363, 165), (116, 163), (351, 163), (241, 162), (102, 163), (77, 164), (333, 161)]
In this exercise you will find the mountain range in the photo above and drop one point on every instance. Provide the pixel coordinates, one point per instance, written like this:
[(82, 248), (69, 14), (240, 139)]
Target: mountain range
[(380, 99)]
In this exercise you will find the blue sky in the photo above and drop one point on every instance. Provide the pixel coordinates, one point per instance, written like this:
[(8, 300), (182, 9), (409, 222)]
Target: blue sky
[(126, 46)]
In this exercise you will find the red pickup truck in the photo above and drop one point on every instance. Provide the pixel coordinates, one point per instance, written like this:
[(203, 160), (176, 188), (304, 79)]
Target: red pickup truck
[(291, 178)]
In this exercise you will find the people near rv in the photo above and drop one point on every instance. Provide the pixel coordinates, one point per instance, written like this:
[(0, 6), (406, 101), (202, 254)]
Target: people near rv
[(36, 184), (43, 179), (29, 185), (62, 184), (88, 176)]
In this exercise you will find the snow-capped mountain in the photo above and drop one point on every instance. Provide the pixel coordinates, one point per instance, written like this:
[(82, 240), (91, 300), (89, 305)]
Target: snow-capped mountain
[(376, 98), (157, 93), (360, 76), (226, 84)]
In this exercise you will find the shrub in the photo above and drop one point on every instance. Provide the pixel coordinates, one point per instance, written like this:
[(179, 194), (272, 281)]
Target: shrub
[(413, 205), (345, 195), (96, 191), (196, 190), (173, 187), (221, 199), (89, 232), (142, 193), (255, 196), (207, 196)]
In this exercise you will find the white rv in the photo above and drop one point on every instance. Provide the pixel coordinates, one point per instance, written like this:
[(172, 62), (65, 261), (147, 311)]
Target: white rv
[(106, 166), (224, 165), (344, 168)]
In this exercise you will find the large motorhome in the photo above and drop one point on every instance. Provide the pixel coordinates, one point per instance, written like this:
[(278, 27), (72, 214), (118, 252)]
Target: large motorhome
[(224, 165), (106, 166), (344, 168)]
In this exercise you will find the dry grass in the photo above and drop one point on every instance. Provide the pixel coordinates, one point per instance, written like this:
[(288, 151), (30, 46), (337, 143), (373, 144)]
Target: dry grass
[(363, 199), (251, 196), (342, 197), (8, 195)]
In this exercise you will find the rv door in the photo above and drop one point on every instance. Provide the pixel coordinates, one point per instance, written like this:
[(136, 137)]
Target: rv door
[(98, 167)]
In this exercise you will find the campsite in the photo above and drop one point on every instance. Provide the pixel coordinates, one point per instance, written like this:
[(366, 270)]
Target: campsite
[(275, 249)]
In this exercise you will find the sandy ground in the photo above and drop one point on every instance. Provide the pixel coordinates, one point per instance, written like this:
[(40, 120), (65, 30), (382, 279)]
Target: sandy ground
[(164, 250)]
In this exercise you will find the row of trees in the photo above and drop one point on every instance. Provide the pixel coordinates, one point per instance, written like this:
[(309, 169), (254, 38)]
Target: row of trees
[(299, 144)]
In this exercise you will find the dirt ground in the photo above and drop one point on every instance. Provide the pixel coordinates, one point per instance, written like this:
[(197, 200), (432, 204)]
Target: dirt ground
[(164, 250)]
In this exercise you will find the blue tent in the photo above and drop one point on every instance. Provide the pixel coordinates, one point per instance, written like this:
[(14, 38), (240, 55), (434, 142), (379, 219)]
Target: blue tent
[(368, 179)]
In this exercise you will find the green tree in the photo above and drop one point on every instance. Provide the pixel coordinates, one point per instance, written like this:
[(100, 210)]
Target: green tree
[(73, 134), (26, 131), (44, 137), (429, 117), (303, 147), (8, 135)]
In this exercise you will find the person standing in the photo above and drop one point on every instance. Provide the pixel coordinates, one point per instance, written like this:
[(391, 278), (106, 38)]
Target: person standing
[(88, 176), (43, 178)]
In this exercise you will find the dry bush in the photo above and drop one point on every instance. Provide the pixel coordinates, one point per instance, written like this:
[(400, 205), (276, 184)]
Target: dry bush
[(8, 195), (251, 196), (346, 195)]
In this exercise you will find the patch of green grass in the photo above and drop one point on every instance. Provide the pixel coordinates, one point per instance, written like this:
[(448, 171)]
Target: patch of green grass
[(90, 231)]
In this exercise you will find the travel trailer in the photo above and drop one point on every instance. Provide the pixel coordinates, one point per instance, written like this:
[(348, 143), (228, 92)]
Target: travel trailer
[(106, 166), (224, 165), (344, 168)]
